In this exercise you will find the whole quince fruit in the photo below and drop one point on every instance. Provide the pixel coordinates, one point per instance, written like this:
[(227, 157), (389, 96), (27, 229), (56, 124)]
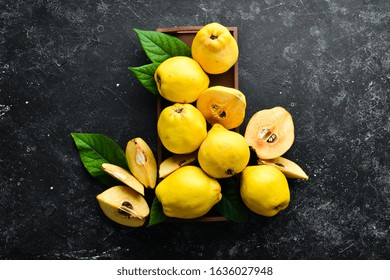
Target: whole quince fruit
[(264, 190), (214, 48), (181, 128), (180, 79), (188, 193), (223, 153)]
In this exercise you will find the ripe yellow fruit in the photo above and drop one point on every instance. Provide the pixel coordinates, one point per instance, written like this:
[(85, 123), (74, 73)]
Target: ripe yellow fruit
[(124, 176), (223, 105), (141, 162), (181, 79), (223, 153), (289, 168), (215, 48), (270, 132), (188, 193), (181, 128), (264, 190), (174, 162), (124, 206)]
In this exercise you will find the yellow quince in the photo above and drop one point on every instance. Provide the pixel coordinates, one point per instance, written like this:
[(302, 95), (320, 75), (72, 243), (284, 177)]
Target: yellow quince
[(181, 79), (181, 128), (223, 153), (264, 190), (214, 48), (188, 193)]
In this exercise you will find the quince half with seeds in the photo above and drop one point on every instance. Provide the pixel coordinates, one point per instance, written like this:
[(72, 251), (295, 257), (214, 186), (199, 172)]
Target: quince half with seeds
[(124, 206), (270, 132), (223, 105)]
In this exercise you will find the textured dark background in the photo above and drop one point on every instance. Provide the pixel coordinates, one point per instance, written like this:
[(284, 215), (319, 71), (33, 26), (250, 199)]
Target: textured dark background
[(63, 69)]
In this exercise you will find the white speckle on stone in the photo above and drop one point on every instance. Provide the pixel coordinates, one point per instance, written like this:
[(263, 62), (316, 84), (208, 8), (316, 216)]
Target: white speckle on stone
[(4, 109)]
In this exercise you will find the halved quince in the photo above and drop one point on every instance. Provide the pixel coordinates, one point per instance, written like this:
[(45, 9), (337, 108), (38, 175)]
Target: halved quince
[(175, 162), (124, 176), (270, 132), (289, 168), (223, 105), (124, 206), (141, 161)]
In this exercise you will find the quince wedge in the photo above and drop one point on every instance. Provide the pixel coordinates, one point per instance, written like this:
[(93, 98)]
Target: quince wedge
[(124, 176), (174, 162), (270, 132), (215, 48), (124, 206), (223, 105), (141, 162), (289, 168)]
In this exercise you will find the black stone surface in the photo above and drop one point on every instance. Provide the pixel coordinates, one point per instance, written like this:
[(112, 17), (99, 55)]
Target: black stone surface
[(63, 69)]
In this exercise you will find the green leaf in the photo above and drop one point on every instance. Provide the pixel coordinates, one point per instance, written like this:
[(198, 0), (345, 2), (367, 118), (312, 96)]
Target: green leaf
[(231, 205), (145, 75), (95, 149), (156, 213), (159, 46)]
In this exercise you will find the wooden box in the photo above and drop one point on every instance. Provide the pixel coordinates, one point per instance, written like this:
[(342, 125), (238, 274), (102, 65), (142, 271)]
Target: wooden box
[(229, 79)]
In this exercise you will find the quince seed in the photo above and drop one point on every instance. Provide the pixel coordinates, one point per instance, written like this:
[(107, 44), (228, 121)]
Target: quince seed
[(272, 138), (140, 157)]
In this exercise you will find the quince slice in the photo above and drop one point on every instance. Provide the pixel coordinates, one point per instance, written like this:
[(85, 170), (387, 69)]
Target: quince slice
[(289, 168), (175, 162), (223, 105), (270, 132), (124, 206), (141, 161), (124, 176)]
